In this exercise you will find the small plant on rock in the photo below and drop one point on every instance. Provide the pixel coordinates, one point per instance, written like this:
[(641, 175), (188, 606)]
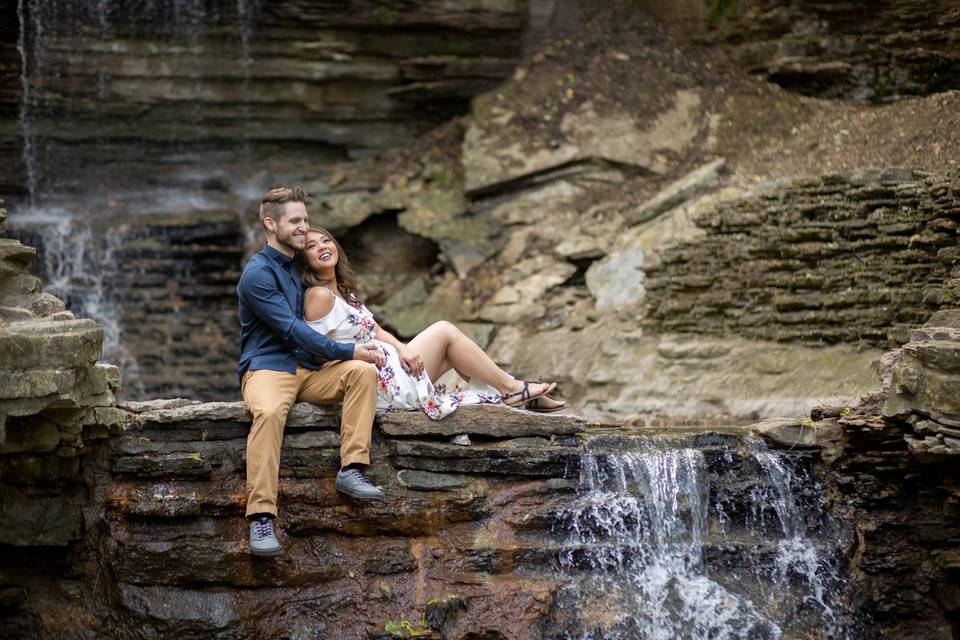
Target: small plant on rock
[(406, 629)]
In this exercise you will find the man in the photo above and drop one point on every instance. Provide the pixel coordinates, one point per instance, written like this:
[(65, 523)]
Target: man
[(283, 360)]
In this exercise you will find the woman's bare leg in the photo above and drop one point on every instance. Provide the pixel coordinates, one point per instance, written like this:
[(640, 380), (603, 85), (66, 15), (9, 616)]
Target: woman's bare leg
[(442, 347)]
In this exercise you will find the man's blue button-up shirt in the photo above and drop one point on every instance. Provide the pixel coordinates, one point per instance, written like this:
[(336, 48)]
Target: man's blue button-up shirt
[(273, 334)]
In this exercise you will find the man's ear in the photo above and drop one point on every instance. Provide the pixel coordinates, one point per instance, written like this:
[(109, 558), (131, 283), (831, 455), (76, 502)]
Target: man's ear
[(270, 224)]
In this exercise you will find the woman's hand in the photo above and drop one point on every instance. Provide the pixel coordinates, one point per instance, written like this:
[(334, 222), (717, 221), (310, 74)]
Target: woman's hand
[(369, 352), (411, 360)]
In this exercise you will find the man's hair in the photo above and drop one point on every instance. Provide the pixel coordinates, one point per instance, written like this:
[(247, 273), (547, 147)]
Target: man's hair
[(272, 204)]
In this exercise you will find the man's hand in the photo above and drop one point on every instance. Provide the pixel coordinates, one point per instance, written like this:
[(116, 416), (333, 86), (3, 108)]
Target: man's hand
[(368, 352), (410, 360)]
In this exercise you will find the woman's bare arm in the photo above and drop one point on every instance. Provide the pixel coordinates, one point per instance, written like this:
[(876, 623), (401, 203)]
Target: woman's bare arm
[(409, 358), (385, 336)]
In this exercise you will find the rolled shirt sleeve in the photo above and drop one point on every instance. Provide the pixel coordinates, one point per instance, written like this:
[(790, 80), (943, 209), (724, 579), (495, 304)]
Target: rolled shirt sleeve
[(258, 289)]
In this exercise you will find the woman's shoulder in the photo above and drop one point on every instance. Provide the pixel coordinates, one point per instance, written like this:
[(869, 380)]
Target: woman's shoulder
[(318, 302)]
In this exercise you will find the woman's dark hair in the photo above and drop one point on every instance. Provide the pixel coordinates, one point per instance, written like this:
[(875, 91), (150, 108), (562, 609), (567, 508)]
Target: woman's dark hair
[(346, 281)]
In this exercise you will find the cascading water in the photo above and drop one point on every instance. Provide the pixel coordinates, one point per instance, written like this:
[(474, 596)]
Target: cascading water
[(668, 540), (26, 130), (72, 204)]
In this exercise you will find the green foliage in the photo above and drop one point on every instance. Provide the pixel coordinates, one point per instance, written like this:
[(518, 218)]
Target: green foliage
[(406, 629), (720, 9)]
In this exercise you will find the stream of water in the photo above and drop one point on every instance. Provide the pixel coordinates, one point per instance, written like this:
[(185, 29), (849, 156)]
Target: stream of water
[(668, 541), (69, 205)]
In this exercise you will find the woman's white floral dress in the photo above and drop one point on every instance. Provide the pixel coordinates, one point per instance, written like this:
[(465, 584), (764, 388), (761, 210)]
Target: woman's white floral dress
[(398, 390)]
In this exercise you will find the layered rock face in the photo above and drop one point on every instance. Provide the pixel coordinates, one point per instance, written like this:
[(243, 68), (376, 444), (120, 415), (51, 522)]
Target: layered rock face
[(841, 49), (841, 258), (175, 280), (55, 399), (169, 88), (896, 476), (486, 514), (162, 286), (468, 542)]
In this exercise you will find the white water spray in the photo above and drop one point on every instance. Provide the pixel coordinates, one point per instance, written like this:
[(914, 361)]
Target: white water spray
[(639, 548)]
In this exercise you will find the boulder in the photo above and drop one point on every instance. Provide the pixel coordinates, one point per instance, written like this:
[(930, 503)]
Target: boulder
[(926, 377), (40, 344)]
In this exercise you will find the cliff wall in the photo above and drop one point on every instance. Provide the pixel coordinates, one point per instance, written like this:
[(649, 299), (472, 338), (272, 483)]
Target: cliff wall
[(840, 49), (860, 257), (469, 540), (121, 95)]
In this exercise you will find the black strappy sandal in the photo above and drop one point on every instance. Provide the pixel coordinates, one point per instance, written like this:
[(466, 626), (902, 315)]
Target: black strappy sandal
[(525, 395), (534, 405)]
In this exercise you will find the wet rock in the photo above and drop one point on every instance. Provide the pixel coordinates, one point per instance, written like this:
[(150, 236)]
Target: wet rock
[(794, 433), (181, 611), (427, 481), (187, 560), (525, 458), (40, 516), (33, 433), (390, 559)]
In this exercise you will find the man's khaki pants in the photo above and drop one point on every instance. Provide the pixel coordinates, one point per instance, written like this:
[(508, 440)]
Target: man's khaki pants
[(269, 396)]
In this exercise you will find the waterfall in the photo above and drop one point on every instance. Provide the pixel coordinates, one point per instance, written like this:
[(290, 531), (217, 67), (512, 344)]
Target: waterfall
[(71, 210), (25, 124), (669, 541), (246, 12)]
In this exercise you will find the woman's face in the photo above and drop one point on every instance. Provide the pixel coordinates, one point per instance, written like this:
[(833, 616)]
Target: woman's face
[(320, 252)]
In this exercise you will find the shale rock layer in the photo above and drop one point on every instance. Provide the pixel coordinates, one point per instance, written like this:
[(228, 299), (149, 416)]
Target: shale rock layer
[(842, 258)]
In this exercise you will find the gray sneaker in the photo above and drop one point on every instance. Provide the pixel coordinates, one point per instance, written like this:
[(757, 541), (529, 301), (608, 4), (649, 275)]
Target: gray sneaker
[(354, 483), (263, 541)]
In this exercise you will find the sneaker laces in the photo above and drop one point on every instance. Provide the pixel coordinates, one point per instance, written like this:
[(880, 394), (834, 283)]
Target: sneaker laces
[(263, 528), (359, 475)]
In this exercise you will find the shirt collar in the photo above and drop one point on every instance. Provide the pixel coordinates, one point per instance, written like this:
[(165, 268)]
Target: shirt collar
[(277, 256)]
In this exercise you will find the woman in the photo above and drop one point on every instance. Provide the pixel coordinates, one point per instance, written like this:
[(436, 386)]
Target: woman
[(407, 372)]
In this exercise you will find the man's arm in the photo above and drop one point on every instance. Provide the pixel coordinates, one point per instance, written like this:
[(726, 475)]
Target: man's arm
[(258, 289)]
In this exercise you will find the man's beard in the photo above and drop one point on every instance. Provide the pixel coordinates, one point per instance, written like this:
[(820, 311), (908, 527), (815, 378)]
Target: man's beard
[(287, 241)]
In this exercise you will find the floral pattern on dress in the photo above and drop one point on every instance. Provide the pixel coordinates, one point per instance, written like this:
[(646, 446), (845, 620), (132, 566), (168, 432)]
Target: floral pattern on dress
[(397, 389), (364, 324)]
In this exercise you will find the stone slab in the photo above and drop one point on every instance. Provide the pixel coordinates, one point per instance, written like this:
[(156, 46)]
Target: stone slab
[(493, 421), (181, 413), (525, 459), (46, 344)]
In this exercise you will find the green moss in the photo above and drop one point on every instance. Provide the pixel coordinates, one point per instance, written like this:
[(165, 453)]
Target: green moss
[(406, 629), (719, 9)]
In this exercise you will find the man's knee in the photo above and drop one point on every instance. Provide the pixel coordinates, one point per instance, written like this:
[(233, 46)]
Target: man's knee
[(360, 372), (270, 411)]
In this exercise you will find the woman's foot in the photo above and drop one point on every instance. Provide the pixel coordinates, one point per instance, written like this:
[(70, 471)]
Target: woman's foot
[(545, 404), (524, 391)]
